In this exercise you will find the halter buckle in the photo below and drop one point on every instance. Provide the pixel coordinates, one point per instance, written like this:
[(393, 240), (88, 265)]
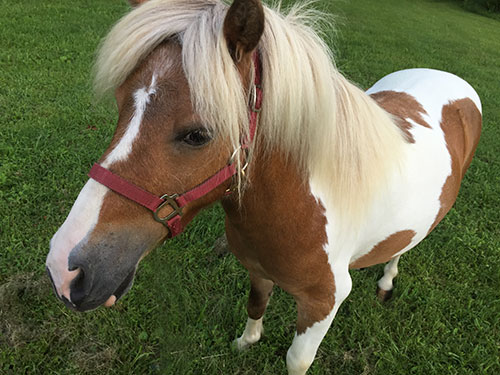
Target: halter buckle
[(171, 201), (253, 98)]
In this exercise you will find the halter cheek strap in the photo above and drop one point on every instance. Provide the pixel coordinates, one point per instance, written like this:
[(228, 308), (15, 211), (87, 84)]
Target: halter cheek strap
[(154, 203)]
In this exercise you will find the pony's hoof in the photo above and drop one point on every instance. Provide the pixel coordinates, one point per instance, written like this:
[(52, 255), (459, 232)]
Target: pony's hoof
[(384, 295), (240, 345), (245, 341)]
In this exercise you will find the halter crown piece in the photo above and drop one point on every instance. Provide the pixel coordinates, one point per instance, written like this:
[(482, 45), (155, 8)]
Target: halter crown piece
[(177, 201)]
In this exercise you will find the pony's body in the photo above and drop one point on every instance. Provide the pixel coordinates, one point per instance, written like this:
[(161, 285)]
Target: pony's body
[(414, 201), (336, 178), (418, 192)]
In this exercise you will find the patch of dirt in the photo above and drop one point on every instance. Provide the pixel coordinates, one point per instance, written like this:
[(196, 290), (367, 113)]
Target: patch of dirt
[(93, 358), (29, 312), (16, 330)]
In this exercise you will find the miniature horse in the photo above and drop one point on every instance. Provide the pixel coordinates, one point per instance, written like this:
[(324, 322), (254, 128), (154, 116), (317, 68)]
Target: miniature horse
[(243, 105)]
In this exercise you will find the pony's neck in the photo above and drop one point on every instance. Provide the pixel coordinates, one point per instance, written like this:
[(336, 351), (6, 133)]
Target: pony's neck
[(348, 151), (354, 165), (275, 193), (339, 138)]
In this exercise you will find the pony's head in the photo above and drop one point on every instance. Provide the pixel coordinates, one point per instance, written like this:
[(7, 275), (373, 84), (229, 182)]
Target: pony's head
[(160, 61)]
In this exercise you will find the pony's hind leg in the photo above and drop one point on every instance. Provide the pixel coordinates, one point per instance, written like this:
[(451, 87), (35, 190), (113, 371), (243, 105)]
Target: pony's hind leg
[(385, 284), (260, 291)]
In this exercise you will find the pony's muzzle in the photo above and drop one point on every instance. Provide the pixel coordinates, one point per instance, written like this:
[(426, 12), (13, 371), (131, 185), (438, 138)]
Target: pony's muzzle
[(63, 298), (78, 291), (99, 269)]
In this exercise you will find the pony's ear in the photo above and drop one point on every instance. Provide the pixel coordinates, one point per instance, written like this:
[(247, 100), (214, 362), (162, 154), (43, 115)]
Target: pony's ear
[(135, 3), (243, 27)]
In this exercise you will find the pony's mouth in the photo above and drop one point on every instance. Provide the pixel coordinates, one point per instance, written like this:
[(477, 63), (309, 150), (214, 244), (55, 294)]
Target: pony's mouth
[(123, 288)]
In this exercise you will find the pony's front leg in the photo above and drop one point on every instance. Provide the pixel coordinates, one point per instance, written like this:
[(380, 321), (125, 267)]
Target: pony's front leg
[(306, 342), (260, 291)]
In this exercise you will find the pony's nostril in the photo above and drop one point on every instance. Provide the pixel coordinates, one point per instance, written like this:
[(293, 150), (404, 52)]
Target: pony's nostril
[(80, 287)]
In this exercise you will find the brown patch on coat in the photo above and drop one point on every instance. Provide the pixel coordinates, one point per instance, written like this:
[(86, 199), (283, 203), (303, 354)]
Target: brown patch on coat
[(403, 107), (385, 250), (461, 125), (286, 246), (135, 3)]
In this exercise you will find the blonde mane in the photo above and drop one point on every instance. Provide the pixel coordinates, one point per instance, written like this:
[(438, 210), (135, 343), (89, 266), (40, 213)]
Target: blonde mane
[(339, 137)]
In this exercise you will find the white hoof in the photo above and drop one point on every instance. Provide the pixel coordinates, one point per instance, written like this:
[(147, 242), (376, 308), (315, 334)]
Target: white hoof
[(240, 344), (252, 334)]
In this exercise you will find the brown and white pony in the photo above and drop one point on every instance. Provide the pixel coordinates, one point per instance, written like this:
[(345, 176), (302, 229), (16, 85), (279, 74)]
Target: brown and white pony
[(324, 179)]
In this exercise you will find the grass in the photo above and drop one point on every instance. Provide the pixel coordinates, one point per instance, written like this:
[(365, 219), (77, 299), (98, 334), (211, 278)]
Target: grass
[(188, 303)]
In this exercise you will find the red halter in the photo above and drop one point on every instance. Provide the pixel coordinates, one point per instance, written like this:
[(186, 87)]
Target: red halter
[(154, 203)]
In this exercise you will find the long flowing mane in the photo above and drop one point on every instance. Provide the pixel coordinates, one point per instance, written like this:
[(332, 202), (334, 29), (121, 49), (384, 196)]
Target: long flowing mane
[(340, 138)]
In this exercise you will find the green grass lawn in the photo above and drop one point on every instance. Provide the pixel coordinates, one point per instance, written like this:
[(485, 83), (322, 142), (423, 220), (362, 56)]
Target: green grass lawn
[(188, 303)]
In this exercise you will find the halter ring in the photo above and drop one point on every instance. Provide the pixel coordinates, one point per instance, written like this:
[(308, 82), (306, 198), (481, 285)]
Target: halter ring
[(253, 98), (168, 200)]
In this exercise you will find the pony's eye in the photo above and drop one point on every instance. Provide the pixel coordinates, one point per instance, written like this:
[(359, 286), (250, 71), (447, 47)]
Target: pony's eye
[(197, 137)]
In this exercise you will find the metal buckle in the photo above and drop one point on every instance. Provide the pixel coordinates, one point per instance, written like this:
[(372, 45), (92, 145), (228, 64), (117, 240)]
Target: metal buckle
[(253, 98), (170, 200)]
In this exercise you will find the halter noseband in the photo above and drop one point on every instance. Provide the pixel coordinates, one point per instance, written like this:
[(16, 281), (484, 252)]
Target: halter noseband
[(177, 201)]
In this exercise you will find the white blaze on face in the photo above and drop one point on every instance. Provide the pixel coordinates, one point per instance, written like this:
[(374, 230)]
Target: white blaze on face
[(85, 211), (124, 147), (80, 221)]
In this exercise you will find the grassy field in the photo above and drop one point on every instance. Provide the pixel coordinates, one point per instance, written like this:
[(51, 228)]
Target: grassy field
[(188, 303)]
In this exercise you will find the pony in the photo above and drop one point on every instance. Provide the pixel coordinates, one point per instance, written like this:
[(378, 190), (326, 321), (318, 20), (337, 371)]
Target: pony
[(243, 104)]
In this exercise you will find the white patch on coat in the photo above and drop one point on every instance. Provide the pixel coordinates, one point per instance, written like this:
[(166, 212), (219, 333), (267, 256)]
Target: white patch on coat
[(413, 200), (304, 346), (85, 211)]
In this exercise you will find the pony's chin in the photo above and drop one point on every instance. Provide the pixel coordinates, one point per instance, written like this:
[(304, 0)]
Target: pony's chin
[(121, 290)]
